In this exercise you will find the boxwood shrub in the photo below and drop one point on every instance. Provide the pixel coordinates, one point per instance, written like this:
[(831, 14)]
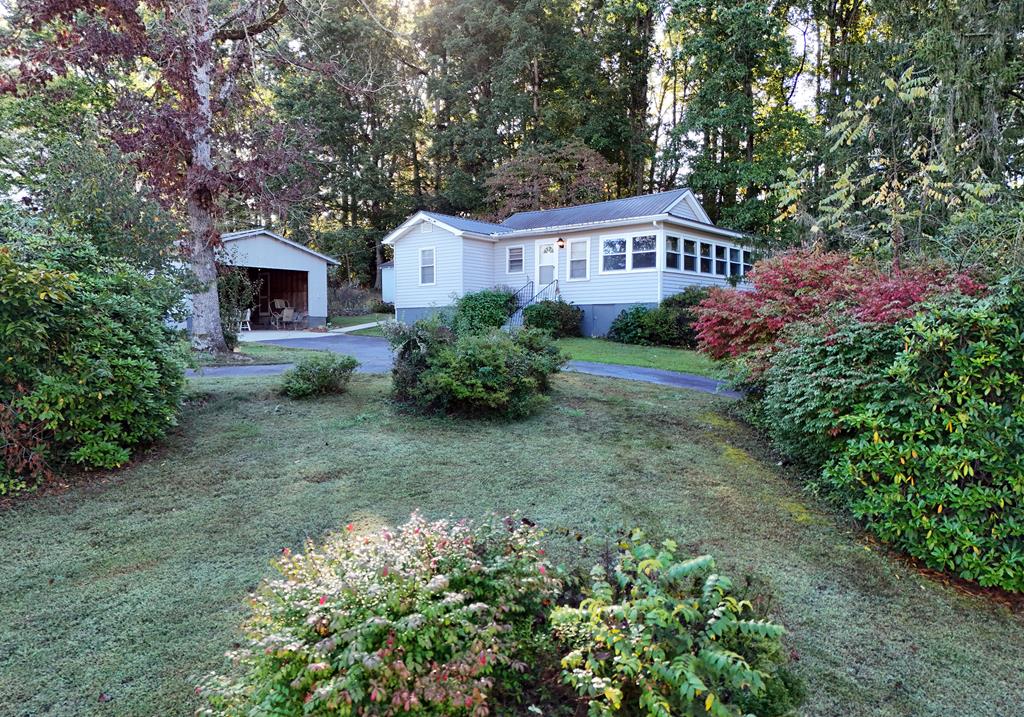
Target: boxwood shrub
[(482, 311), (89, 369), (556, 316), (318, 375), (433, 618), (477, 374), (937, 467)]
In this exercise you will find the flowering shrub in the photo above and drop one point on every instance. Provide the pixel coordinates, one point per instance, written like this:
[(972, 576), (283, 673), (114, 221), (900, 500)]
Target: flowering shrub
[(936, 464), (435, 618), (811, 287), (88, 369), (663, 636), (438, 369), (319, 375)]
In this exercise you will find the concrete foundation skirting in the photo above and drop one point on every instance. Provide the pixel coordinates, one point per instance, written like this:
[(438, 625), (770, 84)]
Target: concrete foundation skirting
[(597, 318)]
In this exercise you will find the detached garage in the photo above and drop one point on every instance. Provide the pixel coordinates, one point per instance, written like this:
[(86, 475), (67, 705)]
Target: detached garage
[(286, 270)]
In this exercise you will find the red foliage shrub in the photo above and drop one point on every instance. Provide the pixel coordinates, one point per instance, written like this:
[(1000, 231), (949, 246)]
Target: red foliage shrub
[(22, 451), (808, 286)]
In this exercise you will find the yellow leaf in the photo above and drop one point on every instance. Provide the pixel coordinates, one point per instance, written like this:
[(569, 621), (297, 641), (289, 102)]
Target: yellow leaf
[(940, 508), (877, 439), (709, 701)]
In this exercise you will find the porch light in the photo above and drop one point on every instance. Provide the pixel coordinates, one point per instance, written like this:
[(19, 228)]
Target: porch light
[(560, 243)]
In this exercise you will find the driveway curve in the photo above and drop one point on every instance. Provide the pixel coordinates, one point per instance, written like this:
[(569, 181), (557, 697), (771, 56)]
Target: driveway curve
[(374, 356)]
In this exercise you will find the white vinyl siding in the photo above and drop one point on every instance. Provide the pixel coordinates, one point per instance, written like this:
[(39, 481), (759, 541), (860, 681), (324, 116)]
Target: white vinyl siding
[(409, 293), (477, 265)]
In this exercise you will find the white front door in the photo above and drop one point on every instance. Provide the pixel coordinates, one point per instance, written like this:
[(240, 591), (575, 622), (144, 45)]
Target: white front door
[(547, 263)]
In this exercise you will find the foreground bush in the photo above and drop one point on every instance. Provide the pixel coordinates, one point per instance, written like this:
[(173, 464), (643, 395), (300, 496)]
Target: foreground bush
[(434, 618), (483, 311), (937, 467), (813, 384), (89, 369), (558, 317), (661, 636), (319, 375), (491, 374)]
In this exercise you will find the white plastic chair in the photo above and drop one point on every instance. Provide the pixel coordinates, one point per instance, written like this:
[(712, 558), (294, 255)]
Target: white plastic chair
[(245, 323)]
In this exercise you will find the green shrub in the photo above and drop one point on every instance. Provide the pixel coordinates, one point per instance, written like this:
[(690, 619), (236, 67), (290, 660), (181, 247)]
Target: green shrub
[(662, 636), (647, 327), (318, 375), (496, 374), (558, 317), (937, 467), (819, 379), (482, 311), (433, 618), (685, 304), (89, 369)]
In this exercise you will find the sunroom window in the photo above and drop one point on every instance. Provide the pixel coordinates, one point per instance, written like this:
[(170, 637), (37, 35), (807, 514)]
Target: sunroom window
[(673, 253), (645, 252), (613, 255), (735, 263), (705, 258), (748, 261), (689, 255), (721, 263)]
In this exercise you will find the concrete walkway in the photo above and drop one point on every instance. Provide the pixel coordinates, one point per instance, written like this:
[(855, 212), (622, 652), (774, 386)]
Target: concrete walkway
[(374, 356), (357, 327)]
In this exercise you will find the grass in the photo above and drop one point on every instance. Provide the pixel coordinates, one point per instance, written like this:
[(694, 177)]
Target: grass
[(670, 359), (133, 585), (372, 331), (265, 354), (340, 322)]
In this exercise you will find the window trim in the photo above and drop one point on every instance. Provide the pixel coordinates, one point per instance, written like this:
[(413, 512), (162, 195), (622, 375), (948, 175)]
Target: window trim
[(421, 267), (568, 259), (508, 253)]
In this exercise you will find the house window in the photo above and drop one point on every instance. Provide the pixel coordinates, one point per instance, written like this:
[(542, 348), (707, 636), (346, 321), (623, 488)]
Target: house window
[(426, 266), (514, 260), (721, 262), (735, 263), (705, 258), (689, 255), (613, 255), (672, 252), (645, 252), (748, 261), (579, 264)]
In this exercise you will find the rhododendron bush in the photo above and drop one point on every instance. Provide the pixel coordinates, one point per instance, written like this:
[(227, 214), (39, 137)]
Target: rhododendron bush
[(432, 617), (805, 286)]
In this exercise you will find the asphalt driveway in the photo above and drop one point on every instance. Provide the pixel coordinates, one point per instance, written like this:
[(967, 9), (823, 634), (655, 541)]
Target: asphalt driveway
[(374, 356)]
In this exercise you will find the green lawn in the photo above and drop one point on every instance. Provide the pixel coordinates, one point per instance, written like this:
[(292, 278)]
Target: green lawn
[(132, 585), (261, 354), (372, 331), (604, 351), (340, 322)]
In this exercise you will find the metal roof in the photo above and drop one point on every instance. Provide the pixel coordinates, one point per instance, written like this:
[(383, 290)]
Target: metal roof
[(247, 233), (644, 206), (468, 225)]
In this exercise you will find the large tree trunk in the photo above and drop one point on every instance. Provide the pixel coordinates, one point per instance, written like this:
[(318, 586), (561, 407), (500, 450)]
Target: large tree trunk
[(207, 332)]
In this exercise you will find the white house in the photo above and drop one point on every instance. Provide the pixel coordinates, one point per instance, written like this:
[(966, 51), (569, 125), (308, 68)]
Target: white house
[(603, 257), (285, 269)]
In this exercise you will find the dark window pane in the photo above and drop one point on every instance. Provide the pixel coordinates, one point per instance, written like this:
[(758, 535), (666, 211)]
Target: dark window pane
[(647, 260), (614, 262), (690, 263), (672, 260), (705, 265), (690, 246), (720, 268)]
